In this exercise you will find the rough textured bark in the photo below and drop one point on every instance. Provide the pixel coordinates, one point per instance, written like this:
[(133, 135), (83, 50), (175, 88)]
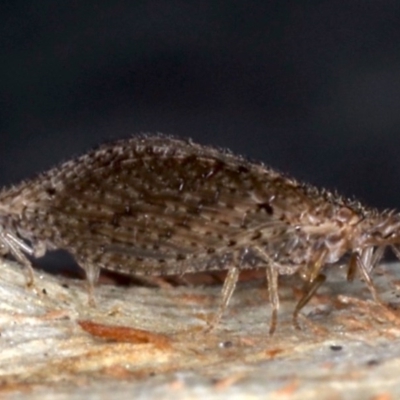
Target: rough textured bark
[(151, 341)]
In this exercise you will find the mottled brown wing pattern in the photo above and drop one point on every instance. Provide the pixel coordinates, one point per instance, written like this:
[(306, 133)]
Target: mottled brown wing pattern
[(154, 214), (158, 205)]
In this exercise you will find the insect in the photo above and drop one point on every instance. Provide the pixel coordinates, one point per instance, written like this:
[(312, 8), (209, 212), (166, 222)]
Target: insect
[(156, 205)]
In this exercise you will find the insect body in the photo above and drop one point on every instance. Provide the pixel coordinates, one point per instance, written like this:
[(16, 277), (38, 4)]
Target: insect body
[(155, 205)]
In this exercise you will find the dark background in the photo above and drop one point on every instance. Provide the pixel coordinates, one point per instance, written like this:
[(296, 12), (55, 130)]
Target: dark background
[(312, 88)]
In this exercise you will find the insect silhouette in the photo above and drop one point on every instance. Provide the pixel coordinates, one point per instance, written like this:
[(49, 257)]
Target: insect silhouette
[(156, 205)]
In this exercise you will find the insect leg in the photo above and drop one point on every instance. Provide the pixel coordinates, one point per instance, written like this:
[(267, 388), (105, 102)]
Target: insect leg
[(378, 255), (226, 294), (272, 278), (16, 247), (370, 260), (311, 287), (272, 273), (364, 269), (314, 279), (395, 250), (352, 268), (92, 276)]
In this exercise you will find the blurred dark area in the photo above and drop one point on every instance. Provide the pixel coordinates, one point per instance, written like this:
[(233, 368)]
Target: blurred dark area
[(311, 88)]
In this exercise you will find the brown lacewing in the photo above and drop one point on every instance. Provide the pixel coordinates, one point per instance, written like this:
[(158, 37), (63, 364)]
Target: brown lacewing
[(156, 205)]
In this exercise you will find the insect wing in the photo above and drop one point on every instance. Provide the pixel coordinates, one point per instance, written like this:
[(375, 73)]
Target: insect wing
[(143, 211)]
